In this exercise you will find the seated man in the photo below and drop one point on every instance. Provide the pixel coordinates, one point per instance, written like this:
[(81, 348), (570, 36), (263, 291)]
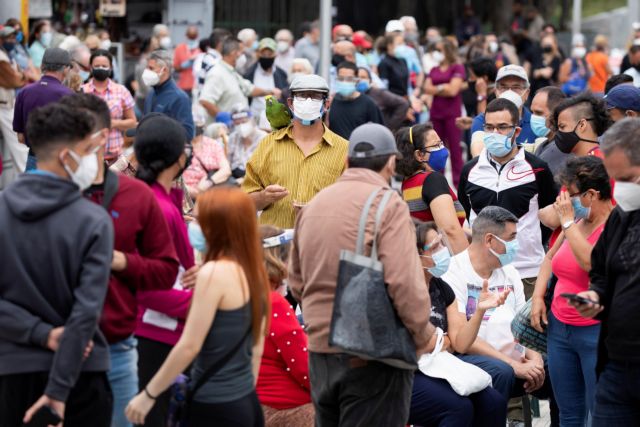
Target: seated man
[(513, 368)]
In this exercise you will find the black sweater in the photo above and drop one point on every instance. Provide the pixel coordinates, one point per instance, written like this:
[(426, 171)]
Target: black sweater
[(615, 276)]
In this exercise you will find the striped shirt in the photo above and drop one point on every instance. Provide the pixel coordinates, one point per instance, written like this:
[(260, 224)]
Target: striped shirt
[(119, 100), (279, 160), (422, 188)]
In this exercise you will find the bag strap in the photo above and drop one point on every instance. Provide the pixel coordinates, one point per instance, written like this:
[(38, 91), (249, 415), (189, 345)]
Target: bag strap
[(213, 369), (111, 184), (363, 221), (379, 212)]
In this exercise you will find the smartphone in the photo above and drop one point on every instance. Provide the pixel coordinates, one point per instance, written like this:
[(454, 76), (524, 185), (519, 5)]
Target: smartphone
[(44, 417), (578, 299)]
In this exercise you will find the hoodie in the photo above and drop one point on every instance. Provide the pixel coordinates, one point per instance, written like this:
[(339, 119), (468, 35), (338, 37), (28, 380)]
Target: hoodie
[(56, 251)]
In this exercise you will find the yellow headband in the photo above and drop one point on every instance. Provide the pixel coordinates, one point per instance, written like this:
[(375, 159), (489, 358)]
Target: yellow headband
[(411, 135)]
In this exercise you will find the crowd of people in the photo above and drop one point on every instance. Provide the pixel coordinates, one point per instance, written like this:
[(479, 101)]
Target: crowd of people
[(182, 246)]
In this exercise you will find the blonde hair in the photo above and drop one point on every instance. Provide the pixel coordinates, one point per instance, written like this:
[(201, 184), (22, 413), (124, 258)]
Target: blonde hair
[(275, 258)]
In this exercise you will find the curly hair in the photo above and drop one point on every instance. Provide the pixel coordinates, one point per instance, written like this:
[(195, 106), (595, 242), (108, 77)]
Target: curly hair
[(586, 172), (584, 105), (408, 140)]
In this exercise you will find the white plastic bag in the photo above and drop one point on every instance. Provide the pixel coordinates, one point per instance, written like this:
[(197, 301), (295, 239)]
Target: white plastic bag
[(464, 378)]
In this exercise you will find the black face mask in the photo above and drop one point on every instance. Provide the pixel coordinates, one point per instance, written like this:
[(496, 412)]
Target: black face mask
[(266, 63), (337, 59), (199, 130), (101, 74), (547, 49), (566, 141)]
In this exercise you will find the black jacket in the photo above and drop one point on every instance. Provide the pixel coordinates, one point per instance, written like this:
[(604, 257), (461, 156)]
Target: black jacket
[(279, 79), (56, 251), (615, 276)]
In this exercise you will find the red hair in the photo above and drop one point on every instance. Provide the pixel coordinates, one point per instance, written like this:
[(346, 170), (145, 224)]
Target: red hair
[(228, 220)]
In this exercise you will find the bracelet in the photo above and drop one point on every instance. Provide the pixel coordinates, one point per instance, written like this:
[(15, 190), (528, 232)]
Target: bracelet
[(149, 394)]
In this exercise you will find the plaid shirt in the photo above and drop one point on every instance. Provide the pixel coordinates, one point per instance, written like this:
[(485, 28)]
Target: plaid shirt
[(119, 100)]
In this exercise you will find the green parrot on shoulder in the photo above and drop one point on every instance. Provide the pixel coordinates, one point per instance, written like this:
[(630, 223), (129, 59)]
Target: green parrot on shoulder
[(277, 113)]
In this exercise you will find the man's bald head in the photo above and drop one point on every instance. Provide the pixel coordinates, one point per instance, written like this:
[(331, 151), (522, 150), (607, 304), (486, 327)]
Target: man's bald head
[(342, 32)]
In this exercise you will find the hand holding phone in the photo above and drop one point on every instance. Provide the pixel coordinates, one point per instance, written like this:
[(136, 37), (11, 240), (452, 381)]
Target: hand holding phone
[(587, 303), (578, 299)]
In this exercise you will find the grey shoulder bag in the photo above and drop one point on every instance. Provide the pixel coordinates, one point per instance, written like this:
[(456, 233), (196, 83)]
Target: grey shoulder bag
[(364, 322)]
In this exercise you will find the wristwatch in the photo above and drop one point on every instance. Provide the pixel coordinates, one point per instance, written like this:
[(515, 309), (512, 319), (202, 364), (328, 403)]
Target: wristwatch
[(567, 224), (481, 98)]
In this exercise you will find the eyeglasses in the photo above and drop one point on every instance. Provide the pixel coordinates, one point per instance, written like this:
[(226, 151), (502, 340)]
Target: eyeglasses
[(431, 148), (436, 243), (489, 128), (347, 79), (516, 88), (301, 96)]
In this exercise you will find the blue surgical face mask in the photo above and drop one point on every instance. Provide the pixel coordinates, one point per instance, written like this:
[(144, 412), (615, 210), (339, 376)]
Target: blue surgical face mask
[(45, 38), (511, 250), (497, 144), (196, 238), (345, 89), (580, 212), (441, 259), (20, 37), (84, 75), (438, 159), (539, 125), (363, 86), (401, 51)]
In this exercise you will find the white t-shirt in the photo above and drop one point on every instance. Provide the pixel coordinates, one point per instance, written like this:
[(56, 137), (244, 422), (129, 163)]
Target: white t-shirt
[(467, 285)]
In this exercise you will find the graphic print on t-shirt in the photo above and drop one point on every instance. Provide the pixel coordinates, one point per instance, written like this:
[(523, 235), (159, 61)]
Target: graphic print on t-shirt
[(473, 296)]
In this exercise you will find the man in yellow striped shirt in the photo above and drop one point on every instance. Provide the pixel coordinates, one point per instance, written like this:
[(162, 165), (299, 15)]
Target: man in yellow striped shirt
[(292, 164)]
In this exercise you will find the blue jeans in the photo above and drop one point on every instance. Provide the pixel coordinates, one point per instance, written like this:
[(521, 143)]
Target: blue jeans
[(433, 402), (123, 378), (572, 354), (617, 395), (31, 163), (505, 381)]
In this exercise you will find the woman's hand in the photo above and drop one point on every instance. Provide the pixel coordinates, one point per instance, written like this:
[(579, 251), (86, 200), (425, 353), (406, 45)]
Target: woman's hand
[(138, 408), (563, 207), (538, 313), (489, 300)]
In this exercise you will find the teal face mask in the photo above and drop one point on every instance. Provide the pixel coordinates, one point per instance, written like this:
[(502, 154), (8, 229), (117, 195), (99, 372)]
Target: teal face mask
[(511, 250), (441, 259), (539, 125), (196, 238), (497, 144), (345, 89), (580, 212)]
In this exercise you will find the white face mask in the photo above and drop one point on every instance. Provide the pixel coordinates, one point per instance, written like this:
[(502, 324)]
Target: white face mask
[(283, 46), (241, 62), (513, 97), (246, 129), (627, 195), (493, 47), (165, 42), (307, 110), (578, 52), (150, 77), (437, 56), (86, 172), (105, 44)]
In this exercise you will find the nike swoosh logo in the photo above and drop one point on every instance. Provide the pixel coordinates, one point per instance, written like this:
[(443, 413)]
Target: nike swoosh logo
[(514, 175)]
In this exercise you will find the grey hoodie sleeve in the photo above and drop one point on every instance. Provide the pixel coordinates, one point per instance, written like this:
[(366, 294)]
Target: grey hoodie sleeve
[(81, 325), (22, 327)]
